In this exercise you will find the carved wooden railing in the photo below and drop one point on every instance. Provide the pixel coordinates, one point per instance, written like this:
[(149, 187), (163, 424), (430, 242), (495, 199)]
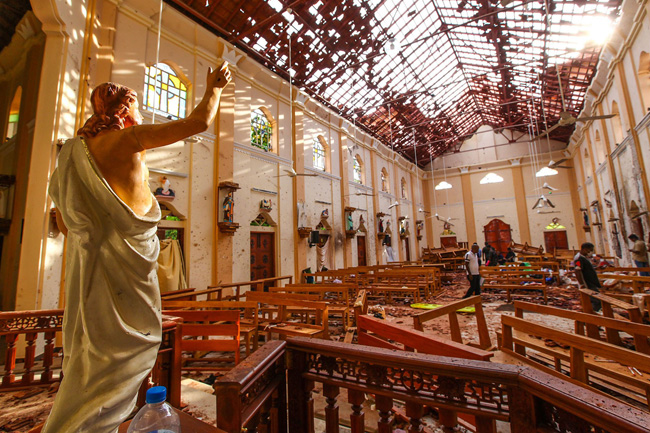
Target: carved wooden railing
[(30, 324), (252, 395), (47, 323)]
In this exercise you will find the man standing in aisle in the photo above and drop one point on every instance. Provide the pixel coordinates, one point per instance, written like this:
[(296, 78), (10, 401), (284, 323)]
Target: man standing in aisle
[(585, 272), (472, 269), (639, 254)]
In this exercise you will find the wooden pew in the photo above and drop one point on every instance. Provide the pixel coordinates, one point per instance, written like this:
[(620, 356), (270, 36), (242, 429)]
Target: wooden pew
[(248, 316), (197, 328), (511, 280), (180, 295), (337, 295), (279, 322), (585, 360), (613, 327), (450, 311), (608, 303), (376, 332), (216, 292)]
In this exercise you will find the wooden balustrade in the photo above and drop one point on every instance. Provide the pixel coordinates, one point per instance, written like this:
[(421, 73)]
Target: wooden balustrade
[(530, 400), (30, 324)]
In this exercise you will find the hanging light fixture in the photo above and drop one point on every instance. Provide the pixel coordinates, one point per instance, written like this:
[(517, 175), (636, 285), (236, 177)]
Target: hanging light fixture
[(392, 47)]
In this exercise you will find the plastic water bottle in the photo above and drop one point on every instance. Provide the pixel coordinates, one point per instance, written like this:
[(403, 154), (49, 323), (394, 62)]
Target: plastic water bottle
[(156, 416)]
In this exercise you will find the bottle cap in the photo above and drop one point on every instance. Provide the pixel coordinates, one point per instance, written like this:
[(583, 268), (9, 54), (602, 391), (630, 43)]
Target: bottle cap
[(157, 394)]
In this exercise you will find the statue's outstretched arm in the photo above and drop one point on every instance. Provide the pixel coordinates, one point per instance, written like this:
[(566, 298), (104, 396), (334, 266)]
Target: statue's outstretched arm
[(151, 136)]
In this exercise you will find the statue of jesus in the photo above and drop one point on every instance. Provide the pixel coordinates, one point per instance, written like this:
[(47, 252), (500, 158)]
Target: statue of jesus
[(112, 320)]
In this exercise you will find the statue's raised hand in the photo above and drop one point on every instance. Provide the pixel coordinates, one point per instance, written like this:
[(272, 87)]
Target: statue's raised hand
[(219, 77)]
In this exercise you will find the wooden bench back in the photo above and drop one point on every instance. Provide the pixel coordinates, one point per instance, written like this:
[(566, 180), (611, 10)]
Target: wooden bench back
[(450, 311), (199, 325), (639, 331), (341, 291), (184, 294), (376, 332), (578, 345)]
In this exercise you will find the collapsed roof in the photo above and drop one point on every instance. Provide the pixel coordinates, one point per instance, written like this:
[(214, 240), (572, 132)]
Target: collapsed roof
[(423, 75)]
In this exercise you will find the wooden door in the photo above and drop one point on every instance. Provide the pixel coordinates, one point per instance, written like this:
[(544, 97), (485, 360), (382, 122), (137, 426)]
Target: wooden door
[(361, 251), (262, 255), (407, 249), (498, 234), (555, 239)]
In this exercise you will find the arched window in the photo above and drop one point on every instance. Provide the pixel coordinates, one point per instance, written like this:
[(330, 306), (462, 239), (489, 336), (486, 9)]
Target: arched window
[(14, 114), (491, 178), (384, 180), (403, 185), (164, 91), (617, 125), (319, 154), (356, 167), (261, 130), (644, 79)]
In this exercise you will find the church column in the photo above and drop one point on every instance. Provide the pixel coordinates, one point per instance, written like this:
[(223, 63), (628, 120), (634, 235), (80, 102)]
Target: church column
[(345, 160), (575, 201), (577, 159), (396, 242), (427, 192), (223, 171), (520, 200), (300, 246), (105, 32), (592, 155), (468, 205), (612, 174), (635, 136), (376, 187), (414, 218)]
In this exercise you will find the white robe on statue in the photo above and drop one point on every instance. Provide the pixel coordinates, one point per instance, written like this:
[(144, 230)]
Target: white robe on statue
[(112, 323)]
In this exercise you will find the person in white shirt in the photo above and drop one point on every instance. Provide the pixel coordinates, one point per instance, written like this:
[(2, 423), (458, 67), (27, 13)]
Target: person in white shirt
[(471, 266)]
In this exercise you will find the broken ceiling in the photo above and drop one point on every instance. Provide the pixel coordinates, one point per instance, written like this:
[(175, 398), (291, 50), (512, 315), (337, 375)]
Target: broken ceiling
[(423, 75)]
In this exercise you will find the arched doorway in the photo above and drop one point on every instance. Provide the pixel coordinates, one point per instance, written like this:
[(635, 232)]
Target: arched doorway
[(498, 234)]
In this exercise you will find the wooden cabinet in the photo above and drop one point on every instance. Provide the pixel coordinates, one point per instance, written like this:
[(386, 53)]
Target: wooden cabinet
[(498, 234)]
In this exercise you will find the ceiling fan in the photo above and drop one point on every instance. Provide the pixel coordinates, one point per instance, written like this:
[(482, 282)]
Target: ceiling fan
[(546, 186), (542, 202), (556, 164), (292, 173), (439, 218), (566, 118)]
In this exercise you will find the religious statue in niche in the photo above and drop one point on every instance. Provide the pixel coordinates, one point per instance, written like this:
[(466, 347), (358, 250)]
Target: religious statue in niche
[(381, 225), (164, 192), (349, 224), (419, 226), (403, 227), (325, 214), (388, 230), (446, 229), (362, 224), (228, 207), (266, 205), (101, 173)]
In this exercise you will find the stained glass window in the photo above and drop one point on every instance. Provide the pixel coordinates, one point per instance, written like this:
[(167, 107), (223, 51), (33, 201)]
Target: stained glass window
[(356, 167), (261, 130), (319, 155), (164, 91)]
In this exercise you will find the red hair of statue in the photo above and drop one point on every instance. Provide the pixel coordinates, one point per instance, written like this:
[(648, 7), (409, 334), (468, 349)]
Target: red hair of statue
[(111, 103)]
